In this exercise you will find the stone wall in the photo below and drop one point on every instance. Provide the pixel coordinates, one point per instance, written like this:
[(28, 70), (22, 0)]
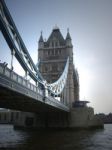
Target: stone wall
[(83, 117)]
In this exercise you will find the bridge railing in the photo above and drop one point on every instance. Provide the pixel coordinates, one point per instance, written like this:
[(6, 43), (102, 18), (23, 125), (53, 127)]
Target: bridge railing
[(18, 79)]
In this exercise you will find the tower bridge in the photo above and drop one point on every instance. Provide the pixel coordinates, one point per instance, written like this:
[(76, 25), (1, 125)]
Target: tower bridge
[(56, 80)]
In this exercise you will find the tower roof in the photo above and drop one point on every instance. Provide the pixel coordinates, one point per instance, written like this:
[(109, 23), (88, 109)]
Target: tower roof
[(56, 35)]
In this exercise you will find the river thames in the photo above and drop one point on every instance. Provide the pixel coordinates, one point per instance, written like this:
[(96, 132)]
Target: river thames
[(100, 139)]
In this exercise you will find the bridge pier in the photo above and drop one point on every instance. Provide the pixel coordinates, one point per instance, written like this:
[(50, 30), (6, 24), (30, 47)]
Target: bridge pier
[(84, 118), (77, 118), (42, 120)]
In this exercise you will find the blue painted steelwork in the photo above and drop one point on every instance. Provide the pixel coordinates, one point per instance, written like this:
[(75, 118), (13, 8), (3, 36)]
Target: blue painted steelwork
[(10, 31), (58, 86)]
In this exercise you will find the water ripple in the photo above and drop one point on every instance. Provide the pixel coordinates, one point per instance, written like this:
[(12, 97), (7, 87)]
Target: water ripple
[(55, 140)]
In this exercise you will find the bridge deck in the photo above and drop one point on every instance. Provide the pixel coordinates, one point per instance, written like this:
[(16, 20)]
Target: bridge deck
[(18, 93)]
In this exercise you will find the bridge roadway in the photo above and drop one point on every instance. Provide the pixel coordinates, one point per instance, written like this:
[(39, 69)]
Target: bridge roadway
[(19, 94)]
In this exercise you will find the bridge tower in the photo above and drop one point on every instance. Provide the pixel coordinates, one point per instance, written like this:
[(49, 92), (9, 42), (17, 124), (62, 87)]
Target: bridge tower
[(52, 55)]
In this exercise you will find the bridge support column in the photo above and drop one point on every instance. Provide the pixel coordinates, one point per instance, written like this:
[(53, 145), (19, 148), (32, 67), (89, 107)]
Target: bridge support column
[(42, 120), (12, 58), (84, 118), (25, 120)]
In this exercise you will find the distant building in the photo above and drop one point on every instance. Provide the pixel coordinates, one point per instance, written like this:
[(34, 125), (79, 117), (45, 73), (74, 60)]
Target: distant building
[(105, 118), (52, 55)]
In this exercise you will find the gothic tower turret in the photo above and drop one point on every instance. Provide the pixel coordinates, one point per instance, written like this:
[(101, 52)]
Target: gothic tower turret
[(68, 39), (41, 41)]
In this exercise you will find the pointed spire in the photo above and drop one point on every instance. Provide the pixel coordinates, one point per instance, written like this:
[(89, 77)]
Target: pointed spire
[(68, 38), (68, 34), (41, 38), (41, 41)]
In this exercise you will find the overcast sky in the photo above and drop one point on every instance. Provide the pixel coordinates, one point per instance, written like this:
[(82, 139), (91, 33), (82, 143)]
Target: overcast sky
[(90, 25)]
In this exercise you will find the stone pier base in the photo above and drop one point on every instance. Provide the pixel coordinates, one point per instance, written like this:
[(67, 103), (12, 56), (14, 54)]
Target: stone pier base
[(79, 117), (84, 118), (42, 120)]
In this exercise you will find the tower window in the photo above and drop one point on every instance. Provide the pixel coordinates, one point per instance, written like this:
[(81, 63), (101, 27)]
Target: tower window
[(52, 44), (48, 52), (53, 52), (56, 44), (46, 69), (56, 52), (54, 68), (59, 52)]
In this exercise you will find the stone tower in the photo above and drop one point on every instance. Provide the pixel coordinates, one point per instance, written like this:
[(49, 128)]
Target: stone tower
[(52, 55)]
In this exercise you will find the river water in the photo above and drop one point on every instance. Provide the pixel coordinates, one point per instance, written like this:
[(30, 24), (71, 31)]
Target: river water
[(100, 139)]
